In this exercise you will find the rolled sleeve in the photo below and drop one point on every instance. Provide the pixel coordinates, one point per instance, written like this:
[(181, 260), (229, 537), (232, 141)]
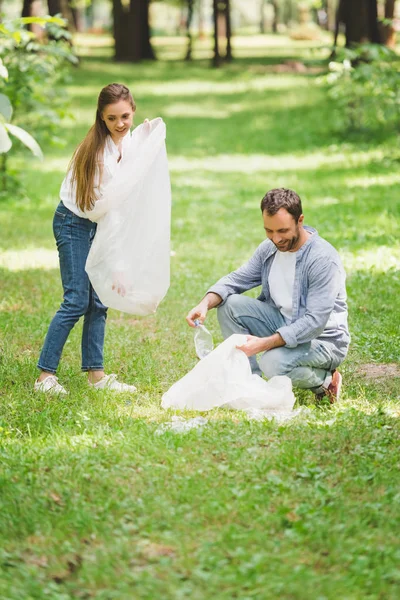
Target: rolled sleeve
[(288, 335)]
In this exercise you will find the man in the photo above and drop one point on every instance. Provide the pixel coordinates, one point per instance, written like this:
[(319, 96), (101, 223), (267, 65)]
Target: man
[(299, 322)]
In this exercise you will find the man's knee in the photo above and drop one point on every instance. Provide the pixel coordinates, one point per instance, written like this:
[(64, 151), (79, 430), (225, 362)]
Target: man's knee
[(274, 362), (234, 305)]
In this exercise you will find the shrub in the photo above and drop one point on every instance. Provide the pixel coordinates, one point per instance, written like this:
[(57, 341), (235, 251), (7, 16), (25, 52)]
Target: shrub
[(364, 84), (32, 74)]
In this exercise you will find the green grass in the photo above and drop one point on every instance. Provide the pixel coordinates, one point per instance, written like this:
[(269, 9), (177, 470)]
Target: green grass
[(94, 504)]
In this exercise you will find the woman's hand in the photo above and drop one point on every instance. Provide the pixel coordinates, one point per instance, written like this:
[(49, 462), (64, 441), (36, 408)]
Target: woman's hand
[(118, 284), (147, 126)]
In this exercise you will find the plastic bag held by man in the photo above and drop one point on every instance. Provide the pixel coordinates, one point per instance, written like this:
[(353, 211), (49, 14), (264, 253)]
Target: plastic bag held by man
[(224, 378), (129, 261)]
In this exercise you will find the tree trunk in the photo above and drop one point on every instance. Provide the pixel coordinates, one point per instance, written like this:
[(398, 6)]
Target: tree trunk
[(388, 31), (216, 57), (27, 8), (132, 31), (287, 12), (262, 19), (228, 30), (76, 15), (190, 4), (30, 8), (201, 20), (360, 18), (330, 14), (222, 28), (54, 7), (146, 49), (275, 18), (373, 29)]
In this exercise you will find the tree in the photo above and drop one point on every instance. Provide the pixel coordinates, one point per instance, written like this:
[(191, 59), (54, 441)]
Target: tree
[(360, 19), (55, 7), (388, 31), (27, 8), (275, 7), (67, 8), (132, 31), (222, 25), (190, 5)]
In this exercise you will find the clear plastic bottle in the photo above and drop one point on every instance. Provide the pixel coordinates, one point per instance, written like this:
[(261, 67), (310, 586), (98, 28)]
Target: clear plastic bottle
[(203, 341)]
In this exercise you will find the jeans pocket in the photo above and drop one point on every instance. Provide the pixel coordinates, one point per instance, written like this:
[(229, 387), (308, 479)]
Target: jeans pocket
[(58, 222)]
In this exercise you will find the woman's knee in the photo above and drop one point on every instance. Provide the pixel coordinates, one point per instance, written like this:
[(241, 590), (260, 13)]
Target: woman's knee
[(76, 304)]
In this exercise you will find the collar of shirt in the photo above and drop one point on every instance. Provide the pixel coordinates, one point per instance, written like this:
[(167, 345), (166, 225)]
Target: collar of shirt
[(111, 150)]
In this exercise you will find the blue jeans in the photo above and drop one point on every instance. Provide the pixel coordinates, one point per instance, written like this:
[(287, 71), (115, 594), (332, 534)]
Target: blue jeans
[(308, 365), (74, 236)]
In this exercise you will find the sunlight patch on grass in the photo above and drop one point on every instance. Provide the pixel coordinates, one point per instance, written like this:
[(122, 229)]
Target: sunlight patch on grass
[(251, 163), (49, 165), (215, 88), (199, 110), (30, 258), (374, 180), (327, 201), (380, 259), (89, 91)]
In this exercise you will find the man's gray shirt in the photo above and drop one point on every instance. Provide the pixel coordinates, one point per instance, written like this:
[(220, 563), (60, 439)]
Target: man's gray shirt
[(319, 293)]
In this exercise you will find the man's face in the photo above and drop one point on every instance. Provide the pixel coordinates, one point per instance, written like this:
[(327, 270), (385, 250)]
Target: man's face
[(283, 230)]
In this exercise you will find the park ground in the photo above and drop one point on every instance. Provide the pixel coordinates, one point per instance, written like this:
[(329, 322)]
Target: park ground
[(94, 504)]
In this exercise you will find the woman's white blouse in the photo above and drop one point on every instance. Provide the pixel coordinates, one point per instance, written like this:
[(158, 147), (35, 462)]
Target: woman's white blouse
[(110, 164)]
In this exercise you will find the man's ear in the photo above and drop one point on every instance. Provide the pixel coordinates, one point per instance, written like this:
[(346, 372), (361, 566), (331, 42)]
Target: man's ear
[(301, 220)]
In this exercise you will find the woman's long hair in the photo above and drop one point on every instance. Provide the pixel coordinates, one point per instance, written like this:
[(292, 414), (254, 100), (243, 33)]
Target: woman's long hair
[(87, 158)]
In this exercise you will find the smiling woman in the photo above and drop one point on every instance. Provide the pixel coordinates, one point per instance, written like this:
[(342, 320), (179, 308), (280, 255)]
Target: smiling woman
[(94, 164)]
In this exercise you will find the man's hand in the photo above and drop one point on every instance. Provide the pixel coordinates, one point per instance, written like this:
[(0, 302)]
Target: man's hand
[(254, 344), (198, 312)]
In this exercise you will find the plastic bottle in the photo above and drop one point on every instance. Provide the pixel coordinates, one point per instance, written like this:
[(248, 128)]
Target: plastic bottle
[(203, 341)]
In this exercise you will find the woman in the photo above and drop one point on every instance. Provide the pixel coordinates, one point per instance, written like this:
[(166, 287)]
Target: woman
[(94, 164)]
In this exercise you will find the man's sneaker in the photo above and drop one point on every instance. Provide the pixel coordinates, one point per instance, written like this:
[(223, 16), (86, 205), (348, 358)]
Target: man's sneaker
[(49, 385), (109, 382), (332, 392)]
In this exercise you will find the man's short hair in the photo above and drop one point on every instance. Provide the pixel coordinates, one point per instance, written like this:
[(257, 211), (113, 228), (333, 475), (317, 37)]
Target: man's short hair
[(279, 198)]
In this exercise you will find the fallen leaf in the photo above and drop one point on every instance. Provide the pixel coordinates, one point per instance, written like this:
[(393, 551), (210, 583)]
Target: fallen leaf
[(152, 550), (55, 497)]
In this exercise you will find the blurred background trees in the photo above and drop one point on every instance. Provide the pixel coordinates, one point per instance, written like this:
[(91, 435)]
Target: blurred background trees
[(133, 22), (362, 80)]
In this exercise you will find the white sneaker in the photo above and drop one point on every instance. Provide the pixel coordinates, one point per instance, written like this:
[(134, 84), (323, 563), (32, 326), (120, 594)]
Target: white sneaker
[(109, 382), (49, 385)]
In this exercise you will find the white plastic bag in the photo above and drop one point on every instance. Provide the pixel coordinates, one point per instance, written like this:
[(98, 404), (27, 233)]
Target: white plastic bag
[(224, 378), (129, 261)]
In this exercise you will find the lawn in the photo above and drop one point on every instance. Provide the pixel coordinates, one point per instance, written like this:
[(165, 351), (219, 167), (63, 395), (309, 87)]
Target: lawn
[(93, 502)]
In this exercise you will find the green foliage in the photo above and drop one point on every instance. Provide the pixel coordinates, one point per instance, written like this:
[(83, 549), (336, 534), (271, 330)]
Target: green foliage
[(34, 72), (6, 128), (364, 83)]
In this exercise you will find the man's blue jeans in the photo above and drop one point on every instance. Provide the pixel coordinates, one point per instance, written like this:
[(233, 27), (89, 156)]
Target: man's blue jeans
[(308, 365), (74, 236)]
